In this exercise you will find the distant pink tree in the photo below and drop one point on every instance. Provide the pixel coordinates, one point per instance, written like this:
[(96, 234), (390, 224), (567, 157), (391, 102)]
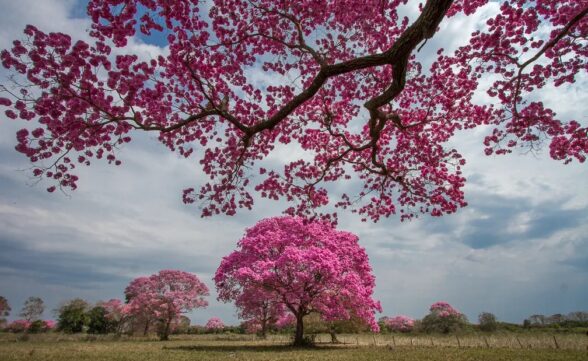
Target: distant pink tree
[(400, 323), (164, 296), (443, 309), (306, 266), (260, 307), (251, 326), (214, 324), (116, 312), (443, 318), (17, 326), (50, 324)]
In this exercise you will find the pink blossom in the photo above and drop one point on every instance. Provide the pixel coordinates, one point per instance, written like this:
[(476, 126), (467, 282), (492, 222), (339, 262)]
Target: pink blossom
[(400, 323), (214, 324), (364, 109), (18, 326)]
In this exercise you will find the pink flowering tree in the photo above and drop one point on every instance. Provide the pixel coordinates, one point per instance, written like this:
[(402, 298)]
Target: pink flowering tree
[(164, 296), (117, 313), (18, 326), (400, 323), (362, 106), (306, 267), (50, 325), (251, 326), (443, 318), (261, 308), (214, 324)]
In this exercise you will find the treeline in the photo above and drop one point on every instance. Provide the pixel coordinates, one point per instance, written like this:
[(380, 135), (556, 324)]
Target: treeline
[(443, 318)]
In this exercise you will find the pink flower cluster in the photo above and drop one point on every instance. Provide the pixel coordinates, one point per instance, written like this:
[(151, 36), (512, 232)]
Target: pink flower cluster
[(443, 309), (214, 324), (164, 295), (25, 325)]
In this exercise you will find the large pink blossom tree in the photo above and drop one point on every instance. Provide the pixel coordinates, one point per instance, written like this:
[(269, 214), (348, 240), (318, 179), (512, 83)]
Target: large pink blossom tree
[(347, 88), (306, 267), (164, 296)]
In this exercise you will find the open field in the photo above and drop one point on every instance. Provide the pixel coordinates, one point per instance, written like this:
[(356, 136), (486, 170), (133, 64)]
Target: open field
[(243, 347)]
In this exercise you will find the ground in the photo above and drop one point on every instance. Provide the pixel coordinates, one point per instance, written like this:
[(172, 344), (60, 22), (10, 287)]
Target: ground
[(243, 347)]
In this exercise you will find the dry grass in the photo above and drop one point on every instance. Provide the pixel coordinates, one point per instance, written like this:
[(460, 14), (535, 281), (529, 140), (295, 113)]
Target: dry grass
[(244, 347)]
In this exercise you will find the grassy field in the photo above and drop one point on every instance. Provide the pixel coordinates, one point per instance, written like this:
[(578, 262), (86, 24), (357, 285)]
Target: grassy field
[(237, 347)]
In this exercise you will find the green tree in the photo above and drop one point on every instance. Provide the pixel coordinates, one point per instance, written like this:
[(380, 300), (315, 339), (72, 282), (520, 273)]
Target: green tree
[(98, 322), (72, 316), (4, 310), (487, 322)]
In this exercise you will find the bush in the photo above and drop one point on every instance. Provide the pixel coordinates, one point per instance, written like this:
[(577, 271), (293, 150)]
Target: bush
[(18, 326), (487, 322)]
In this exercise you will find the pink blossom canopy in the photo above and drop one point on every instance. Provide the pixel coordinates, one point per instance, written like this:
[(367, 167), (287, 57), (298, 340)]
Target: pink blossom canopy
[(165, 295), (214, 324), (307, 267), (362, 106)]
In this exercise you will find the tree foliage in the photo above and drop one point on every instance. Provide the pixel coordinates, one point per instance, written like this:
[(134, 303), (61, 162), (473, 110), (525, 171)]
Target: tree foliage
[(305, 267), (400, 323), (72, 316), (164, 296), (362, 105), (214, 324), (487, 321), (99, 322), (33, 309), (443, 318), (4, 309)]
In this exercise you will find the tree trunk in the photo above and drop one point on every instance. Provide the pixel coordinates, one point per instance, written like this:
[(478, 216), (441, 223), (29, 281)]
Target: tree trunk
[(146, 329), (333, 334), (264, 329), (299, 335), (165, 334)]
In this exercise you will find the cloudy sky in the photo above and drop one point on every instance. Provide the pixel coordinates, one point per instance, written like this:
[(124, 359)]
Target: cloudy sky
[(519, 248)]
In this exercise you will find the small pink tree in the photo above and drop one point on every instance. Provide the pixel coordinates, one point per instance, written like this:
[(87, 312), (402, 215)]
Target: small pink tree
[(400, 323), (17, 326), (306, 267), (50, 325), (443, 318), (214, 324), (164, 296), (116, 312), (251, 326), (260, 307)]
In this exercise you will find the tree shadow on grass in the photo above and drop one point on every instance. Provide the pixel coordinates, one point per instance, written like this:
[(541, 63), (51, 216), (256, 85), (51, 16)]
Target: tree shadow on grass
[(248, 348)]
